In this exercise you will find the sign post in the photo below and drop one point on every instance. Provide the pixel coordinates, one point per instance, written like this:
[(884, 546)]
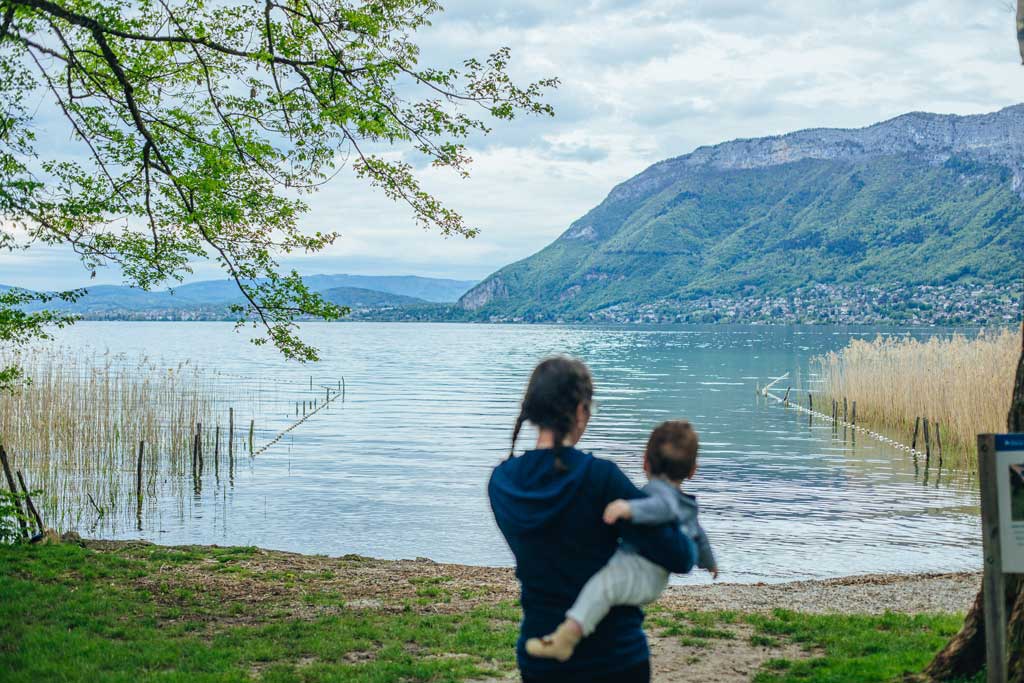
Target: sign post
[(1001, 475)]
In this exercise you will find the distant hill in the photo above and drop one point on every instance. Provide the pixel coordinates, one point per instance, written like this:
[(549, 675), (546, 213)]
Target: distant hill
[(357, 297), (833, 217), (210, 300), (437, 290)]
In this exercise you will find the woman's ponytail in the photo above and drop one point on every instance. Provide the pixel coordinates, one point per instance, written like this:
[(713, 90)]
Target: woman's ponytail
[(515, 433)]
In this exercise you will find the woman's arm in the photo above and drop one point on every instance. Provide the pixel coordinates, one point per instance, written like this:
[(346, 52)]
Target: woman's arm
[(665, 545)]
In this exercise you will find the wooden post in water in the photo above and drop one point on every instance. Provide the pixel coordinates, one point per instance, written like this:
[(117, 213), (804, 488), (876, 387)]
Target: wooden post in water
[(252, 426), (231, 434), (854, 416), (197, 464), (938, 441), (917, 427), (785, 399), (216, 451), (311, 382), (14, 490), (199, 445), (810, 401), (138, 475), (195, 457), (845, 407), (31, 505), (343, 389), (927, 442)]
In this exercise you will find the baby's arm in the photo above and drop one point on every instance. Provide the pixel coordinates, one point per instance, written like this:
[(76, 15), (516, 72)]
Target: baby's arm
[(648, 511)]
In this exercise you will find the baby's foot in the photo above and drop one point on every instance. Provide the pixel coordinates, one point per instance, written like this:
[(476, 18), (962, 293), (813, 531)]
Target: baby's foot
[(558, 645)]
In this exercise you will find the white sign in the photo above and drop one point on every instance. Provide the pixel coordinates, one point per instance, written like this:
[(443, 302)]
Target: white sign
[(1010, 494)]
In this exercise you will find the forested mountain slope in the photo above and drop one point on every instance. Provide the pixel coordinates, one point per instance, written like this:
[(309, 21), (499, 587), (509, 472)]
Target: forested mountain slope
[(921, 199)]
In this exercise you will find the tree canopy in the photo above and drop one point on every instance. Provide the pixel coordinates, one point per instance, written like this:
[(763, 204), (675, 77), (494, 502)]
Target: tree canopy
[(197, 127)]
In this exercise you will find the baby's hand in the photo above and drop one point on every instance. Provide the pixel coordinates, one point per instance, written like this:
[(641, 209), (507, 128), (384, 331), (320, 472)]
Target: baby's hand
[(616, 510)]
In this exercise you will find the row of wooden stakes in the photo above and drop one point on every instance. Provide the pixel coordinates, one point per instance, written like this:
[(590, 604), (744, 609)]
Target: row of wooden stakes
[(312, 405), (918, 422), (848, 418)]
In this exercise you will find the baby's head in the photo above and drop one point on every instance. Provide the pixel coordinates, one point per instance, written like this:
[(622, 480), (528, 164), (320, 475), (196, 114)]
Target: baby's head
[(672, 451)]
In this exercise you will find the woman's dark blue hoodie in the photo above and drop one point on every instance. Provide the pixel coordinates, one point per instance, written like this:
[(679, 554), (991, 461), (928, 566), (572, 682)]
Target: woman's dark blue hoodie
[(552, 522)]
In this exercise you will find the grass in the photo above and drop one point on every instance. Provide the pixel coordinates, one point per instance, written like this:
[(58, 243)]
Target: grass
[(963, 383), (834, 648), (853, 648), (139, 612), (73, 614)]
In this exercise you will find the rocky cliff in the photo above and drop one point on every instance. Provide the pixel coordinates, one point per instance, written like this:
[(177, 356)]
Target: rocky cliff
[(918, 199)]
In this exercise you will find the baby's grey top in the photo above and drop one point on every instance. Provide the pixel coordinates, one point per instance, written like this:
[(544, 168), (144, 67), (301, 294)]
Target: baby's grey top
[(665, 504)]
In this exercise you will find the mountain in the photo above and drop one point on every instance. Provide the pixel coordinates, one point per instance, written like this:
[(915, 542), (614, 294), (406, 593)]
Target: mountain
[(923, 201), (357, 297), (211, 299), (437, 290)]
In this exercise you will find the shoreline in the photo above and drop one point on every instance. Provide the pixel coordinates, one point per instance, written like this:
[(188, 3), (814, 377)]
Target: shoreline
[(244, 613), (471, 585)]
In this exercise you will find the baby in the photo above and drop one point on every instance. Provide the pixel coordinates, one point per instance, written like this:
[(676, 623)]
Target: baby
[(628, 578)]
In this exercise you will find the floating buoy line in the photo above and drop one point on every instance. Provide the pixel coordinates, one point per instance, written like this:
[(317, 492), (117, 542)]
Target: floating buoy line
[(767, 393), (332, 395)]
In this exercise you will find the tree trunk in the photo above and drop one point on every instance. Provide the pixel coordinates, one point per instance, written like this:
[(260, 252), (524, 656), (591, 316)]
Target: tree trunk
[(964, 656)]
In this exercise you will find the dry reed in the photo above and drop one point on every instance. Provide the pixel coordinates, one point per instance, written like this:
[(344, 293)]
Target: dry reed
[(75, 428), (963, 383)]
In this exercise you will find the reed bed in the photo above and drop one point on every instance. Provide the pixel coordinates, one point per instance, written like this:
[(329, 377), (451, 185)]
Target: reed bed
[(75, 428), (962, 382)]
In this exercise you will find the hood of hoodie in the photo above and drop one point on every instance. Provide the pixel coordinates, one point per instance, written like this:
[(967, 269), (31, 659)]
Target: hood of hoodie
[(527, 492)]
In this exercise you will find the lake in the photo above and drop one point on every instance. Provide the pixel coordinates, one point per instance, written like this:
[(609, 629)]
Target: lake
[(399, 469)]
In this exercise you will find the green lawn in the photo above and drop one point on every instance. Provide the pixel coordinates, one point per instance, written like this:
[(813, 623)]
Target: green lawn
[(151, 613), (72, 614), (834, 648), (855, 647)]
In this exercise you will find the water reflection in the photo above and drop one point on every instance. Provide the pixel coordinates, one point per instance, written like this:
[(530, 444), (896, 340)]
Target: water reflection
[(399, 469)]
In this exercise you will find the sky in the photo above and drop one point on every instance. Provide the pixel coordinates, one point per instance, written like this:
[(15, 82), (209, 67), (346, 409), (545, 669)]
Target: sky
[(640, 82)]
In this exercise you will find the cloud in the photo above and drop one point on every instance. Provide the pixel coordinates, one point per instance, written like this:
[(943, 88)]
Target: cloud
[(644, 80)]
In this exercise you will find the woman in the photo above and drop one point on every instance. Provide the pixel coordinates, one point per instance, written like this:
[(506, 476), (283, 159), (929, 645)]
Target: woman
[(548, 504)]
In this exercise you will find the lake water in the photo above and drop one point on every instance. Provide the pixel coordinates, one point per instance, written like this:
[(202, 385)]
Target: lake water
[(399, 469)]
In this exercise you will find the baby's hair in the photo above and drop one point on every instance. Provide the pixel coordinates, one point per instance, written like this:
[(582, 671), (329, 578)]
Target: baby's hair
[(557, 385), (672, 450)]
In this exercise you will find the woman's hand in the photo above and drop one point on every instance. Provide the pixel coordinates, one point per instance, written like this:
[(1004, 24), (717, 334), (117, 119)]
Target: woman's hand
[(616, 510)]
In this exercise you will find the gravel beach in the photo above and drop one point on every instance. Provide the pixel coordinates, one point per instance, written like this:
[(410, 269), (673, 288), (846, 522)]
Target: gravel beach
[(375, 583), (864, 594)]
